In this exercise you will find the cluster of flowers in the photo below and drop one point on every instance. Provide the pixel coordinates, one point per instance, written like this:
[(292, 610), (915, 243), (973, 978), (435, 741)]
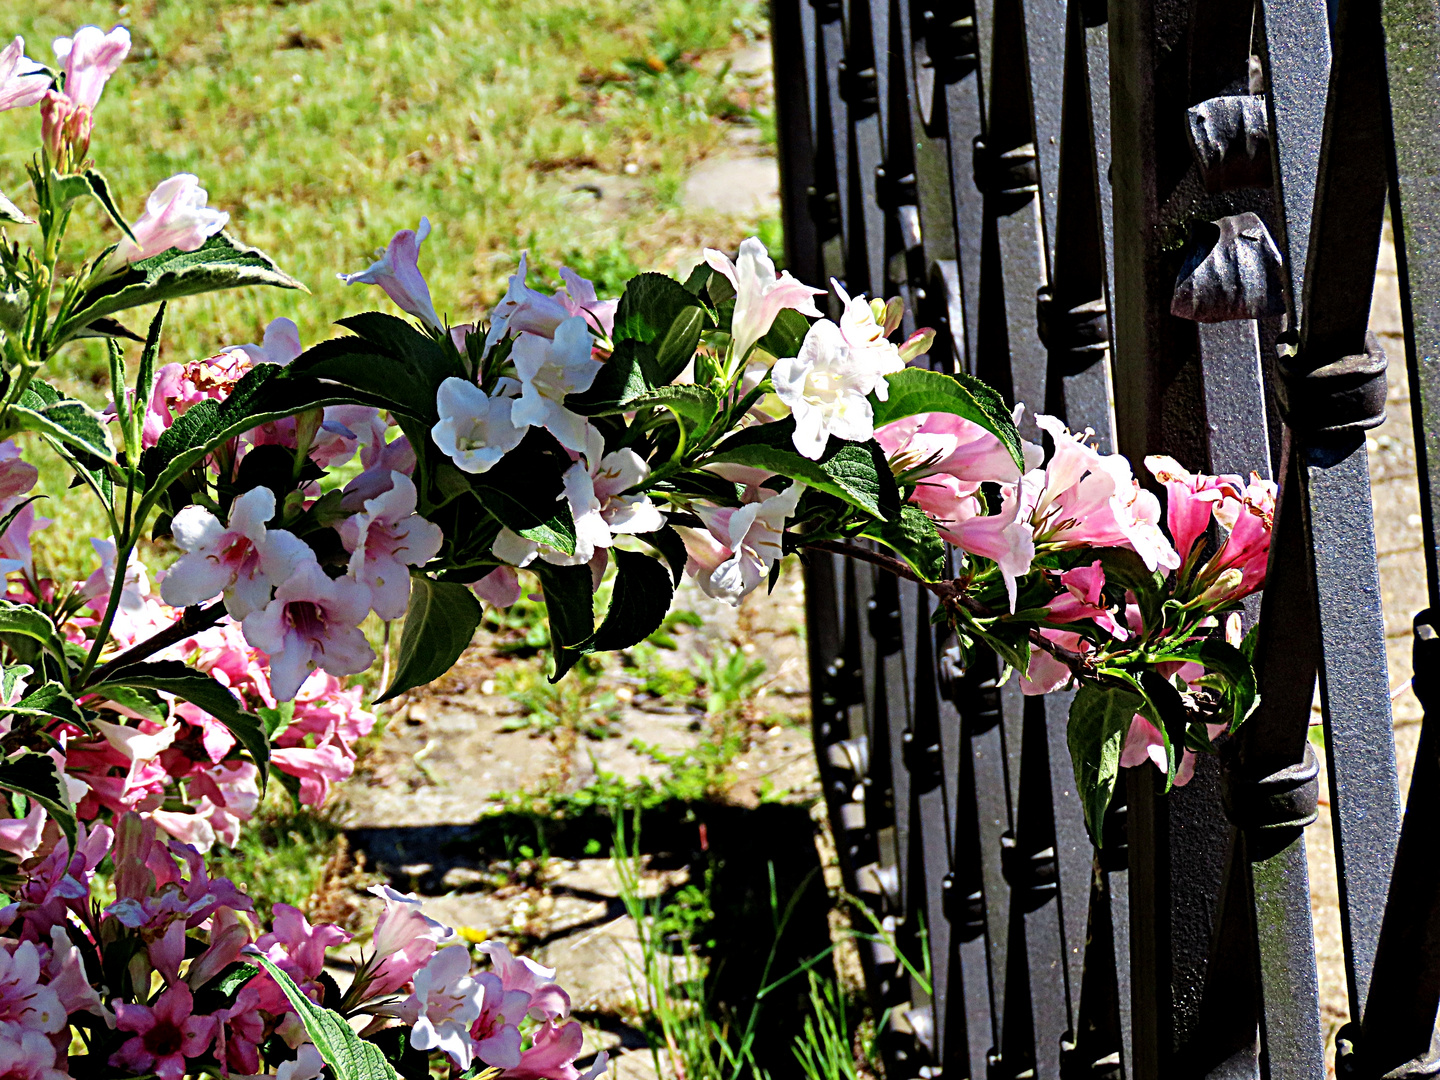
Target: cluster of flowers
[(156, 982)]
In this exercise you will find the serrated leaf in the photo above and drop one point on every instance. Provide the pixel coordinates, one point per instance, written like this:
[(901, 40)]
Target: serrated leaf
[(146, 703), (49, 700), (173, 677), (1224, 659), (1100, 719), (439, 623), (630, 373), (668, 543), (639, 601), (44, 410), (30, 622), (916, 390), (219, 263), (349, 1056), (855, 472), (35, 776), (11, 214), (914, 538), (570, 608)]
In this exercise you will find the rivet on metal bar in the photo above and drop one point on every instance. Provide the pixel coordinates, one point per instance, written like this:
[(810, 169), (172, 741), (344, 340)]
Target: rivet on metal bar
[(1231, 140), (951, 43), (1033, 873), (859, 88), (1283, 800), (1010, 174), (1231, 271), (965, 913), (921, 757), (1081, 333), (1342, 396), (824, 211), (893, 192), (884, 627)]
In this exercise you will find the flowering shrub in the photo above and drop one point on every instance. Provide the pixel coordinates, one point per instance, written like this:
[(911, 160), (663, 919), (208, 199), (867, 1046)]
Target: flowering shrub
[(705, 427)]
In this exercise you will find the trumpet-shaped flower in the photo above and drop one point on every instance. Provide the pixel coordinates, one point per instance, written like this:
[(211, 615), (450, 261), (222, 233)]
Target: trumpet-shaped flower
[(404, 939), (29, 1057), (930, 443), (957, 509), (1191, 499), (386, 537), (549, 370), (443, 1006), (280, 345), (826, 387), (760, 294), (165, 1034), (21, 836), (476, 429), (547, 1001), (17, 477), (312, 623), (23, 82), (243, 560), (523, 310), (175, 217), (397, 271), (26, 1004), (730, 557), (866, 334), (89, 59)]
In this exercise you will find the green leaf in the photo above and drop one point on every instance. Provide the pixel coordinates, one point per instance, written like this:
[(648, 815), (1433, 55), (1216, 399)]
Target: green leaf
[(657, 310), (639, 601), (1100, 719), (525, 491), (145, 378), (697, 406), (349, 1056), (35, 776), (45, 410), (46, 701), (914, 538), (570, 606), (439, 624), (668, 543), (916, 390), (100, 188), (1126, 569), (367, 374), (1166, 710), (26, 621), (1224, 659), (146, 703), (855, 472), (219, 263), (11, 214), (786, 334), (173, 677), (630, 373)]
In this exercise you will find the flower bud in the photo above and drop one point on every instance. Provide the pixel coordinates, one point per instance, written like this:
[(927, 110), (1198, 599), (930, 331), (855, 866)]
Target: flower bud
[(1223, 588), (890, 317), (917, 344)]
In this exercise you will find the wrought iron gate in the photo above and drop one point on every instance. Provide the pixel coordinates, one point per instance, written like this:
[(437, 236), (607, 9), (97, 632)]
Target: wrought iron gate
[(1158, 220)]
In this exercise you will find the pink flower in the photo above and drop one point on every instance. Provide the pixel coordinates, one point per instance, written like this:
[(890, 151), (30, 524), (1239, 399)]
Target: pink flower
[(67, 977), (239, 1031), (759, 294), (552, 1055), (313, 622), (17, 477), (547, 1001), (26, 1005), (398, 272), (1004, 538), (1246, 550), (89, 59), (443, 1005), (385, 538), (500, 587), (1083, 498), (179, 386), (21, 836), (279, 346), (1144, 743), (30, 1056), (229, 935), (524, 310), (930, 443), (165, 1035), (23, 82), (296, 948), (1045, 672), (243, 560), (1084, 598), (1191, 499), (732, 555), (175, 217), (404, 939), (317, 768)]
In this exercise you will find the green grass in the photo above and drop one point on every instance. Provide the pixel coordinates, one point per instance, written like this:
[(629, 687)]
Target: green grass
[(282, 855), (323, 127)]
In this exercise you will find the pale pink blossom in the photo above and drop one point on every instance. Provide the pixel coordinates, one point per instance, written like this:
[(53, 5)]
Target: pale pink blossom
[(1046, 672), (760, 294), (404, 939), (179, 386), (317, 768), (1083, 597), (867, 335), (1244, 557), (1143, 742), (225, 796), (30, 1056), (239, 1031), (929, 443), (444, 1003), (312, 623), (279, 345), (66, 976), (306, 1065), (397, 271), (381, 460), (524, 310), (547, 1000), (175, 217), (826, 389), (17, 477), (23, 82), (384, 540), (554, 1048), (242, 560), (296, 948), (166, 1034), (958, 510), (89, 59), (549, 371), (21, 836), (499, 588), (476, 429), (730, 557), (228, 936), (26, 1004), (612, 475)]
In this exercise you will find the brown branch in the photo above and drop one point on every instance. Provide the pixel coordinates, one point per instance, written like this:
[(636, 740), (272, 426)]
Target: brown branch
[(878, 558), (191, 621)]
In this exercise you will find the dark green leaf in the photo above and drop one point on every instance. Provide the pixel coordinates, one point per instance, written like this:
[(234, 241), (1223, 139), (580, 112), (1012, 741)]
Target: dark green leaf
[(1126, 569), (668, 543), (108, 328), (525, 491), (349, 1056), (439, 624), (639, 601), (45, 410), (855, 472), (1224, 659), (145, 378), (100, 188), (49, 700), (630, 373), (146, 703), (649, 310), (428, 360), (786, 334), (219, 263), (369, 375), (173, 677), (35, 776), (1166, 710), (29, 622), (1100, 719), (916, 390), (913, 537), (570, 606), (394, 1043)]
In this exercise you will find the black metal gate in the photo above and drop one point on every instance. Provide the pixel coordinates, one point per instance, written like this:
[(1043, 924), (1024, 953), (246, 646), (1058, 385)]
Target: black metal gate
[(1158, 220)]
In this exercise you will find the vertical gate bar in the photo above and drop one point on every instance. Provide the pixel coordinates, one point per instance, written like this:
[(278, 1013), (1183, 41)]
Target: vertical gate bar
[(794, 124), (965, 123), (833, 126), (865, 240)]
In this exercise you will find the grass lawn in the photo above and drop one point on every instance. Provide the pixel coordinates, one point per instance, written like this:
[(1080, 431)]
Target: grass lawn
[(325, 126)]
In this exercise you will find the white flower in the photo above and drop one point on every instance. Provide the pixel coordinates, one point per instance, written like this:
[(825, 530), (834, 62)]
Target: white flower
[(826, 387), (732, 554), (383, 539), (244, 560), (549, 370), (475, 429), (313, 622), (864, 334), (445, 1003), (307, 1065), (759, 294)]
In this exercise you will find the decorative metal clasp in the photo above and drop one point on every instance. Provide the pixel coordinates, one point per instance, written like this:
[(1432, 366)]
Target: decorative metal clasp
[(1231, 271)]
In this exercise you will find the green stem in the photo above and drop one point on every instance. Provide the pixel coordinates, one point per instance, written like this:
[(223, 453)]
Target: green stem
[(123, 547)]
